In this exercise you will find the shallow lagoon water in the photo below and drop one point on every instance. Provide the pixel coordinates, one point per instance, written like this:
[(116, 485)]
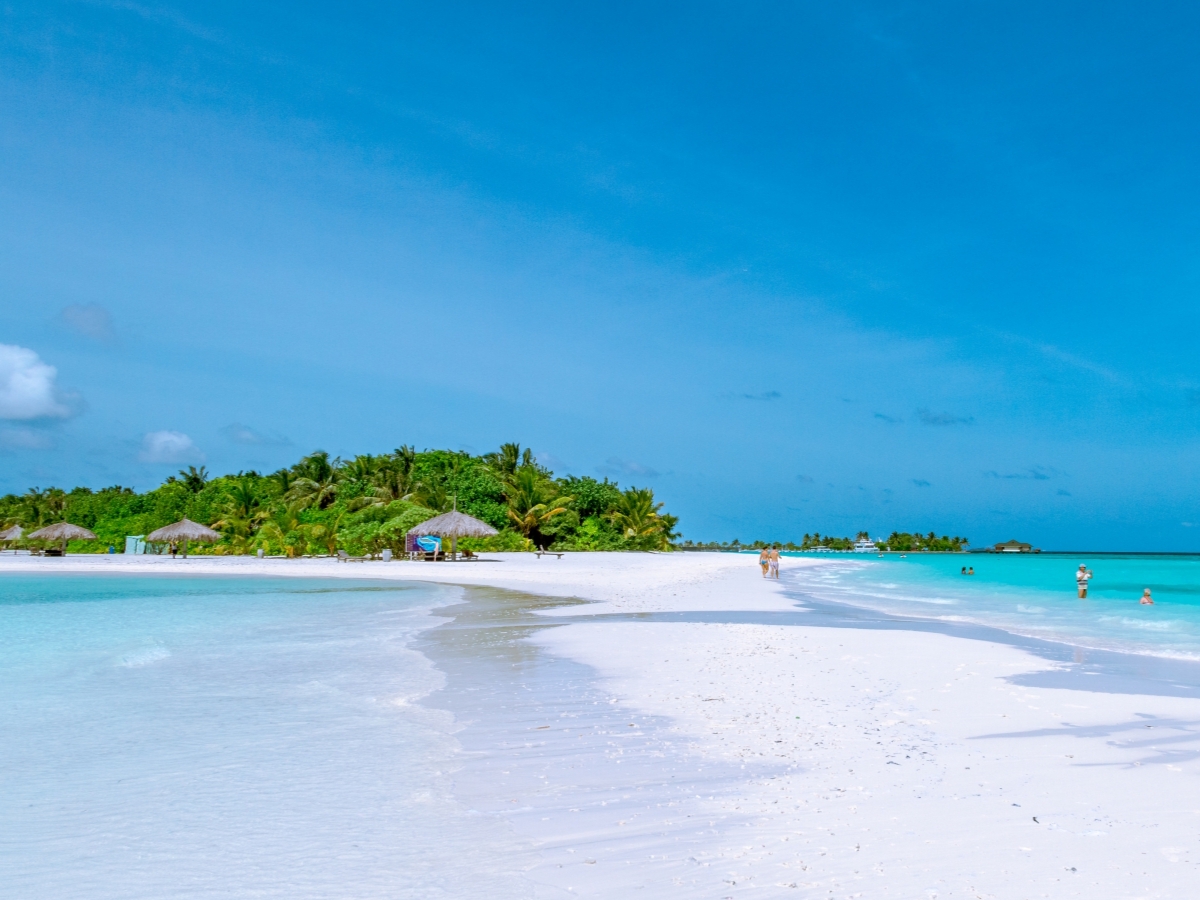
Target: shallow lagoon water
[(1030, 594), (186, 737)]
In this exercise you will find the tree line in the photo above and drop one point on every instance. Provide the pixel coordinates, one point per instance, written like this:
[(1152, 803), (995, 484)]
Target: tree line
[(901, 541), (363, 505)]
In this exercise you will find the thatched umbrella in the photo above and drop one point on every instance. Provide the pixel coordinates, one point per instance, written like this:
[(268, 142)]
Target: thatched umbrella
[(62, 531), (454, 525), (184, 530), (11, 534)]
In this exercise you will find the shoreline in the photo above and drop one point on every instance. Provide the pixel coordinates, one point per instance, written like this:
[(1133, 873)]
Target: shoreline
[(890, 760)]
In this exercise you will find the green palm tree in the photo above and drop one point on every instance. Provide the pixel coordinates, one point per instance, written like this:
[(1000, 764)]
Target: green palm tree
[(533, 501), (316, 482), (240, 515), (283, 480), (364, 467), (391, 480), (508, 459), (194, 479), (433, 494), (284, 529), (641, 520)]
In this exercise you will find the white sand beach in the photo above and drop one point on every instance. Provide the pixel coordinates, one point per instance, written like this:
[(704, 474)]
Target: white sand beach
[(858, 762)]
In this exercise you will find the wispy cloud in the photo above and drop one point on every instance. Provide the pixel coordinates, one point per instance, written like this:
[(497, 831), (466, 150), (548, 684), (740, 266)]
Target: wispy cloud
[(804, 479), (891, 420), (929, 417), (25, 439), (615, 466), (920, 482), (1037, 473), (244, 434), (169, 447), (91, 320), (765, 395), (1063, 493), (551, 462), (1067, 358)]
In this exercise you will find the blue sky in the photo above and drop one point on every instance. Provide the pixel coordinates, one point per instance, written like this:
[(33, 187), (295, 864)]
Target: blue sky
[(797, 267)]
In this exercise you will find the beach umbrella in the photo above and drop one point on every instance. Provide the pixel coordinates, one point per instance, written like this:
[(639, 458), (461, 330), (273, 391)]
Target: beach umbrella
[(63, 532), (454, 525), (12, 534), (184, 530)]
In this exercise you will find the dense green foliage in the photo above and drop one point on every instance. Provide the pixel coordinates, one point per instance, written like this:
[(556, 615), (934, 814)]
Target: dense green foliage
[(364, 505)]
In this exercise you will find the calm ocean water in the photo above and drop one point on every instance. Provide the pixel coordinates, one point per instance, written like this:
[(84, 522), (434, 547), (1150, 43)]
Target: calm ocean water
[(182, 737), (1030, 594)]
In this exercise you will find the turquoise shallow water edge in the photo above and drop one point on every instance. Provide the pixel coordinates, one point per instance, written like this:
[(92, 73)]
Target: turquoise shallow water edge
[(183, 737), (1028, 594)]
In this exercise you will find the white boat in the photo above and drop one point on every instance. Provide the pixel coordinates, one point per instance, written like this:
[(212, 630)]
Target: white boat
[(865, 546)]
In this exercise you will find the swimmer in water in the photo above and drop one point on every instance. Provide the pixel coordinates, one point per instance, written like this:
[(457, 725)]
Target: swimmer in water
[(1082, 577), (1147, 600), (971, 571)]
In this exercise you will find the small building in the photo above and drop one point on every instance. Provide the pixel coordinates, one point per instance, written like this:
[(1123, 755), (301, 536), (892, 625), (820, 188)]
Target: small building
[(1014, 547)]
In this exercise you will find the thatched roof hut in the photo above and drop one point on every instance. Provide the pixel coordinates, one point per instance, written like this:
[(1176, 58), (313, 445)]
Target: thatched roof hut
[(184, 530), (454, 525), (62, 532), (12, 534)]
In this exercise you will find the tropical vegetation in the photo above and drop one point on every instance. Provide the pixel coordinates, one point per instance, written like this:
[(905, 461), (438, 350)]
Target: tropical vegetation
[(897, 541), (364, 505)]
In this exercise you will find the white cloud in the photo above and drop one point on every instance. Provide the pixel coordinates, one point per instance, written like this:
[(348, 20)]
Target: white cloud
[(27, 389), (169, 447), (244, 434)]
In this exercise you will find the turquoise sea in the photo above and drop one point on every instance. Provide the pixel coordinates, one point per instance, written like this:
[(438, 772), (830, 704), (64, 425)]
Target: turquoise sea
[(201, 737), (1028, 594)]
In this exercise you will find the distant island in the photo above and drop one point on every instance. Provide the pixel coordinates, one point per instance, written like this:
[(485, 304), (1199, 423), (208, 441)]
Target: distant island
[(897, 541), (363, 505)]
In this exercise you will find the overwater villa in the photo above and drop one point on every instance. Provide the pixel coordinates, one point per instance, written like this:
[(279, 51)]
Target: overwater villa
[(1014, 547)]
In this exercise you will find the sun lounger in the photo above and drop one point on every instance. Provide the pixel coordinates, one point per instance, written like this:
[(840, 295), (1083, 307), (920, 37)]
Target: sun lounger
[(541, 553), (343, 557)]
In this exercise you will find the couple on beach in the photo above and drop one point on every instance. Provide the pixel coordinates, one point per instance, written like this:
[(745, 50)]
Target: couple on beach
[(769, 561)]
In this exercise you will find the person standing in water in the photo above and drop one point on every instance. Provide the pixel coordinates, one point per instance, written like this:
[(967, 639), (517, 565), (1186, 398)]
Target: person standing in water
[(773, 559), (1082, 577), (1147, 600), (764, 560)]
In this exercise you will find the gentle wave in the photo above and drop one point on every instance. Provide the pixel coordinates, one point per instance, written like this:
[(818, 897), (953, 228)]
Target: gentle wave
[(145, 657)]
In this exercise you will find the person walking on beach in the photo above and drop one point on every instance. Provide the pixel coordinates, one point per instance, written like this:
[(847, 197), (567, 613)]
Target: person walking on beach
[(1082, 577), (773, 561), (764, 560), (1147, 600)]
